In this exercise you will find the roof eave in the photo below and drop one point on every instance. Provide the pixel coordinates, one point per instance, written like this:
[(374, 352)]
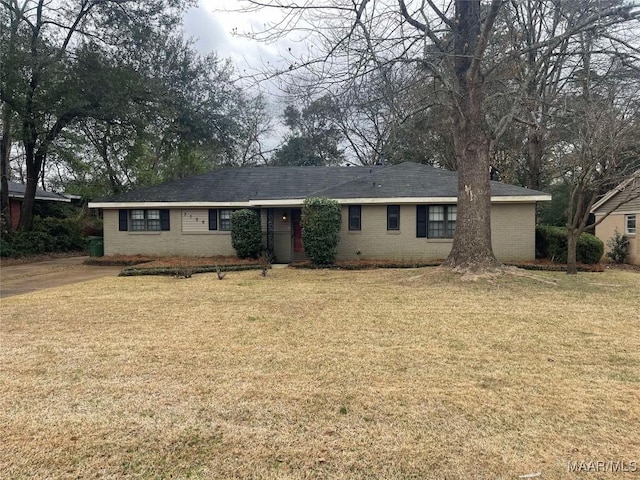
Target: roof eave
[(614, 191), (293, 202), (38, 197)]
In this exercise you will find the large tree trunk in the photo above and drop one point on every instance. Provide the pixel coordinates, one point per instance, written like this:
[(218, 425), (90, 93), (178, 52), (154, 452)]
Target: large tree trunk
[(572, 243), (472, 249), (535, 153), (5, 152), (33, 163)]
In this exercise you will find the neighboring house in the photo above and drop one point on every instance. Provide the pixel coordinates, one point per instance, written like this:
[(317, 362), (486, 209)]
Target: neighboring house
[(16, 194), (401, 212), (624, 204)]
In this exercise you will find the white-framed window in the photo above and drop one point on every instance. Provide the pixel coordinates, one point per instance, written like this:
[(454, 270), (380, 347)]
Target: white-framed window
[(442, 221), (436, 221), (145, 220), (630, 224), (224, 219)]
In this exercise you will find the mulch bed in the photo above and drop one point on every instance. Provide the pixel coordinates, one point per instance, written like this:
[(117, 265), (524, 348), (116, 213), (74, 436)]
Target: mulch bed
[(546, 265), (539, 265), (145, 261), (179, 266), (367, 264)]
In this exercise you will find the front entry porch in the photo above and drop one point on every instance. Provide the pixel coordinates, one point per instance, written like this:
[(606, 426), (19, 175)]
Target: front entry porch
[(284, 234)]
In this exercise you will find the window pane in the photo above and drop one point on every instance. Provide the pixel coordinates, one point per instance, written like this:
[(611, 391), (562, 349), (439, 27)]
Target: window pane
[(225, 219), (153, 214), (436, 229), (631, 224), (436, 213), (452, 212), (153, 224), (137, 214), (137, 224), (452, 216), (435, 226)]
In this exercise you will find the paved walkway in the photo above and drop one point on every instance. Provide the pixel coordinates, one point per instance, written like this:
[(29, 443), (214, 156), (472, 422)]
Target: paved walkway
[(29, 277)]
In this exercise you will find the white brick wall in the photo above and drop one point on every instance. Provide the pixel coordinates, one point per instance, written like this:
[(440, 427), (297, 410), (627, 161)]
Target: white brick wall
[(513, 235), (512, 232)]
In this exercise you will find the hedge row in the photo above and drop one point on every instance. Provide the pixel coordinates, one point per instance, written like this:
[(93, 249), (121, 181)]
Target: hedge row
[(49, 235), (135, 271), (365, 265), (551, 243)]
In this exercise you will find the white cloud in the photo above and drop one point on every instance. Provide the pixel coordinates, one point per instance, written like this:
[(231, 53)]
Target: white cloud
[(217, 29), (221, 31)]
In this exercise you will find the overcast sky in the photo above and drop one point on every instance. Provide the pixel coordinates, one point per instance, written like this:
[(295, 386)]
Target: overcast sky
[(212, 28)]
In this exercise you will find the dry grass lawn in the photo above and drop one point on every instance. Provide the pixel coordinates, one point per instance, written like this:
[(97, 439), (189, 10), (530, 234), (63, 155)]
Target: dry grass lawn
[(322, 374)]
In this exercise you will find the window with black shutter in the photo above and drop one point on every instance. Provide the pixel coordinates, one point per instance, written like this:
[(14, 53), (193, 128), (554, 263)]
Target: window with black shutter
[(355, 220), (140, 220), (421, 221), (436, 221), (213, 219), (393, 217), (123, 220)]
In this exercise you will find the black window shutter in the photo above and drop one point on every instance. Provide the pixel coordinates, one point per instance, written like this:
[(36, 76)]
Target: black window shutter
[(164, 220), (123, 220), (421, 221), (355, 217), (213, 219)]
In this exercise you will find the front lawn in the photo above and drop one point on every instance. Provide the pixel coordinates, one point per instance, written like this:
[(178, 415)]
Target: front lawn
[(395, 374)]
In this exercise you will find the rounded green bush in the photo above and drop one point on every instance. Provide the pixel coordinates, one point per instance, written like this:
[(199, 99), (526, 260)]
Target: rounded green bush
[(246, 233), (590, 249), (321, 222), (551, 243)]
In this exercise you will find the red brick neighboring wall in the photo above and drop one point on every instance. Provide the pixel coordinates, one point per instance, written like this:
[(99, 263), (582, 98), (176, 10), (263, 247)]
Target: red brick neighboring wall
[(15, 212)]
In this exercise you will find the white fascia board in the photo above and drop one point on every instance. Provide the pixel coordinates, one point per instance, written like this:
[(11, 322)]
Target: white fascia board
[(621, 211), (38, 197), (521, 199), (288, 202), (50, 199), (143, 205), (420, 200), (296, 202)]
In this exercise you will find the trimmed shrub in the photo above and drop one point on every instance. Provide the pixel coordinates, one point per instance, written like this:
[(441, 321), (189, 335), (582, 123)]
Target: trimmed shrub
[(590, 249), (619, 247), (321, 222), (246, 233), (48, 235), (551, 243)]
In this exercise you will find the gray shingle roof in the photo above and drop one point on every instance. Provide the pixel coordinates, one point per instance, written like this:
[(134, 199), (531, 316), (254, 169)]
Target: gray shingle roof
[(16, 190), (280, 183)]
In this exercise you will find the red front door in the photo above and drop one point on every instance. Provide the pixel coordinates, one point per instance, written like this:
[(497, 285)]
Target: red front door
[(296, 226)]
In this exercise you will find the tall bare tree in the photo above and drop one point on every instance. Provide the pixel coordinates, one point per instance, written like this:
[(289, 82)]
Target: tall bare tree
[(458, 45)]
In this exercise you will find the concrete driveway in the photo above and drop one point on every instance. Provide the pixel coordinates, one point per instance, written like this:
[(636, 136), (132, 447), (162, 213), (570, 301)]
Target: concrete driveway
[(29, 277)]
